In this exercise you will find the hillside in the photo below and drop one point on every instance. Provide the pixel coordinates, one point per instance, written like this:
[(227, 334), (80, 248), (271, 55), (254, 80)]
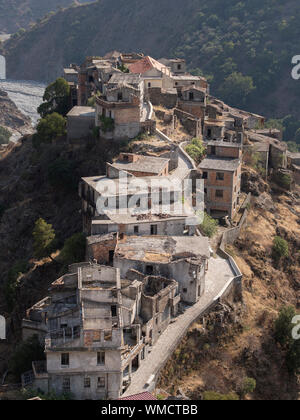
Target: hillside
[(238, 340), (11, 118), (245, 48), (18, 14)]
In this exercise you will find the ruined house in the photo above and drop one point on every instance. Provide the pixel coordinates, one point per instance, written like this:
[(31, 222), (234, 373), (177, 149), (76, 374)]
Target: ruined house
[(193, 100), (121, 110), (221, 171), (80, 122), (133, 185), (99, 329), (184, 259)]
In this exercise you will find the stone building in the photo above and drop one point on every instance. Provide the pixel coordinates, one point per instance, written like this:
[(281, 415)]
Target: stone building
[(154, 74), (139, 165), (221, 170), (99, 329), (144, 225), (193, 101), (80, 122), (133, 185), (184, 259), (176, 65), (120, 111)]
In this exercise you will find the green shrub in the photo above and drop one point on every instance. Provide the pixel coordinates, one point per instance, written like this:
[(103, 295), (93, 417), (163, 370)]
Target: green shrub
[(284, 326), (56, 99), (196, 150), (12, 283), (249, 386), (293, 357), (209, 226), (284, 180), (5, 135), (216, 396), (107, 124), (43, 239), (27, 352), (62, 175), (74, 249), (49, 128), (280, 248)]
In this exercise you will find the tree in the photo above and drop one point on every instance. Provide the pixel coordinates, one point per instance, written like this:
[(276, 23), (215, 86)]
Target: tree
[(249, 386), (5, 135), (62, 175), (74, 249), (284, 326), (12, 283), (280, 248), (56, 98), (26, 353), (293, 357), (236, 88), (43, 236), (50, 128), (209, 226), (196, 150)]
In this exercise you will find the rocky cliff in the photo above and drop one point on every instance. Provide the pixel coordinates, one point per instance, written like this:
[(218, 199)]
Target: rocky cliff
[(11, 118)]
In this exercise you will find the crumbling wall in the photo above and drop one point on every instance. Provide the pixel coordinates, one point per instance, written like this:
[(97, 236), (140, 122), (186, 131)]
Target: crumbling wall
[(167, 99), (190, 123)]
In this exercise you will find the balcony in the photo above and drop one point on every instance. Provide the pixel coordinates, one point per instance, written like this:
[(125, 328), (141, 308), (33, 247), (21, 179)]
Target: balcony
[(62, 336)]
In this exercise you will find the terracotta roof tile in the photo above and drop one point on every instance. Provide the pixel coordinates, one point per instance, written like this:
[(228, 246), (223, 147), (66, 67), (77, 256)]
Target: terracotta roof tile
[(145, 396)]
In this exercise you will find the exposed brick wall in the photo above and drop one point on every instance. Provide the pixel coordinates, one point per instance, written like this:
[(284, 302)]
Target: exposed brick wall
[(101, 251)]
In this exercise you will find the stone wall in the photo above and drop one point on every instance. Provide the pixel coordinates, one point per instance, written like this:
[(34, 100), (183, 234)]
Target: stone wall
[(190, 123), (168, 99)]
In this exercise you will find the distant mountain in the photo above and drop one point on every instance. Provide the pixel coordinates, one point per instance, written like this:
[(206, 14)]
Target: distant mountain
[(17, 14), (244, 47)]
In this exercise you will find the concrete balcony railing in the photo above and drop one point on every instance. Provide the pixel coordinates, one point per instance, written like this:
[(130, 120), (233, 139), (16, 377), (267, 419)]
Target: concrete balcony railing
[(60, 337)]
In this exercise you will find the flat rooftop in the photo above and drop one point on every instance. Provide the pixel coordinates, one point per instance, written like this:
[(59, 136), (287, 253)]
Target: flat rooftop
[(129, 78), (82, 111), (162, 249), (228, 144), (112, 187), (148, 164), (222, 164)]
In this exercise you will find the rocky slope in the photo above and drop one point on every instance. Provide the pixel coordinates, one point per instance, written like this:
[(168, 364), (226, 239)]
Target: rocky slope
[(244, 48), (237, 340), (12, 118)]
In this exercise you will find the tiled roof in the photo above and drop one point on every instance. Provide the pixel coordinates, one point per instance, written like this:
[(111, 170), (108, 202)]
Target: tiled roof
[(146, 64), (219, 163), (144, 396)]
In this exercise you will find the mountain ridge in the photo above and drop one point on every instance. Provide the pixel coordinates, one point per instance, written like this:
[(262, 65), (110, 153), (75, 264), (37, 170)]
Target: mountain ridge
[(245, 49)]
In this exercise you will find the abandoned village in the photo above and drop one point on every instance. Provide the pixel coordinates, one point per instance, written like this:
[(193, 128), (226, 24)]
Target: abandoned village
[(110, 324)]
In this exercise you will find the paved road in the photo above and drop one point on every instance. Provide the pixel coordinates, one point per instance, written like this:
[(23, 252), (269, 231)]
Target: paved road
[(218, 277)]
